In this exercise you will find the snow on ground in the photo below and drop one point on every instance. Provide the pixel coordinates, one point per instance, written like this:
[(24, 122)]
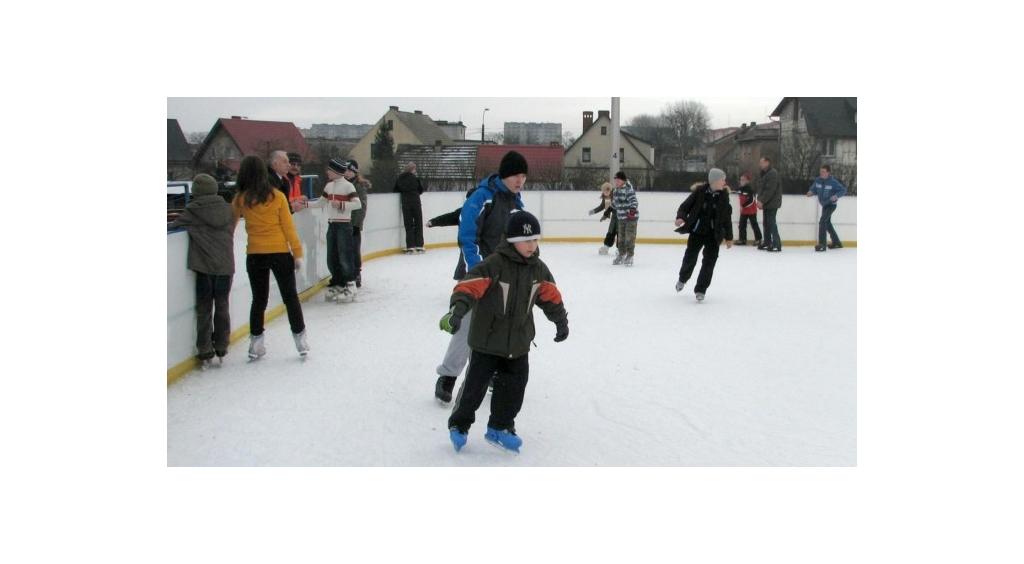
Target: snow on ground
[(763, 373)]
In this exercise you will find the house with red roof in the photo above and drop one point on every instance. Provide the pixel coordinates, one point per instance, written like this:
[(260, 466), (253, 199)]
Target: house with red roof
[(231, 139), (544, 162)]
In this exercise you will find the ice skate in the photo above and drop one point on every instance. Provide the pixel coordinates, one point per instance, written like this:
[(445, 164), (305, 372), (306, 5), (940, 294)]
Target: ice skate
[(443, 389), (836, 246), (680, 285), (699, 296), (205, 363), (617, 260), (256, 347), (819, 248), (628, 261), (603, 250), (503, 440), (420, 250), (301, 344), (331, 293), (458, 438)]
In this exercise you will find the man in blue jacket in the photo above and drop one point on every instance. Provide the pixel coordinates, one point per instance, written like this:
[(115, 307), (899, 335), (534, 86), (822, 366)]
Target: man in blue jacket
[(828, 190), (481, 229)]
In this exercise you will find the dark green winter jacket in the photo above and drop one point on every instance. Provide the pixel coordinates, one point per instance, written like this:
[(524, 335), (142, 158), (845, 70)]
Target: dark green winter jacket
[(503, 288)]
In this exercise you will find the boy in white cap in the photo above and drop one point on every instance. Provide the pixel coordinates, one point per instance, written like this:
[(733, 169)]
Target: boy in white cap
[(500, 292), (707, 216), (343, 199)]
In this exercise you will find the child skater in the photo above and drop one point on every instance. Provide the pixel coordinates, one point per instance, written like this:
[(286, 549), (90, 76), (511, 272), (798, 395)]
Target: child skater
[(707, 216), (607, 211), (748, 211), (210, 224), (501, 291)]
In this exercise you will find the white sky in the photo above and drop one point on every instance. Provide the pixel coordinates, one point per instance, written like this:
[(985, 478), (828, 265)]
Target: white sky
[(199, 114)]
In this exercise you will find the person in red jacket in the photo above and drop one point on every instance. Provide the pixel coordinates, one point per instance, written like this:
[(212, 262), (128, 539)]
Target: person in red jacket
[(748, 210)]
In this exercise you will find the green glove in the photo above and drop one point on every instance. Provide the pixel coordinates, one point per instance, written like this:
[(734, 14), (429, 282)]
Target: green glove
[(451, 321)]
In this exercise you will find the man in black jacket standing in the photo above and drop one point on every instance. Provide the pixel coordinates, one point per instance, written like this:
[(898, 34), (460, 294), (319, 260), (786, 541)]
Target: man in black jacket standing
[(707, 216), (410, 188)]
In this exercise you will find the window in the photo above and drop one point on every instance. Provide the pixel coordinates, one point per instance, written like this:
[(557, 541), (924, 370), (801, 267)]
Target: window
[(622, 156), (828, 147), (586, 154), (604, 130)]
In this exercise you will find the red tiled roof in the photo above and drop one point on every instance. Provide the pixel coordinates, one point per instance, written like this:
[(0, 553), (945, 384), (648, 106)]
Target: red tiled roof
[(544, 162), (255, 137)]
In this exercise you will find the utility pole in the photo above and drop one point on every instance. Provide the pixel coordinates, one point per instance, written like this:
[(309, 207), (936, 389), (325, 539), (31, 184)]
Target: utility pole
[(482, 116), (615, 142)]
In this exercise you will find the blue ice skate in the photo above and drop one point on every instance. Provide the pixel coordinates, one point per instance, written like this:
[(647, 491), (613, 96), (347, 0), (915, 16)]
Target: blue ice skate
[(458, 438), (503, 439)]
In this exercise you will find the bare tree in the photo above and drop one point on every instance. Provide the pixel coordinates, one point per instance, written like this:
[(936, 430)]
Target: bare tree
[(654, 130), (568, 139), (688, 121)]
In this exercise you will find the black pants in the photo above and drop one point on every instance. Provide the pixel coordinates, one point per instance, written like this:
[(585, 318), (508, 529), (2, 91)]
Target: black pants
[(825, 224), (412, 216), (259, 268), (510, 377), (707, 266), (613, 230), (357, 252), (771, 229), (213, 316), (753, 225)]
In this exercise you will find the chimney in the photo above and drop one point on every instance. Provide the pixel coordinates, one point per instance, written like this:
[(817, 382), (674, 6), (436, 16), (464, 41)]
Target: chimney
[(555, 144), (588, 120), (236, 117), (604, 114), (417, 112), (753, 123), (393, 108)]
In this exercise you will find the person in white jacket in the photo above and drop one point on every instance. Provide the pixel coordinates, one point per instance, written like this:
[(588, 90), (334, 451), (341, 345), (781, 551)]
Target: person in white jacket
[(341, 198)]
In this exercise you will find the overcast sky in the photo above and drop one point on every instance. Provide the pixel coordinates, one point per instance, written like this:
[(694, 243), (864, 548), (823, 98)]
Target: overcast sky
[(199, 114)]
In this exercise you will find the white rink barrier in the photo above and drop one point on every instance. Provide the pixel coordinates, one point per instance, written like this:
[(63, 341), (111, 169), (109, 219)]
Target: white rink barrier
[(563, 217)]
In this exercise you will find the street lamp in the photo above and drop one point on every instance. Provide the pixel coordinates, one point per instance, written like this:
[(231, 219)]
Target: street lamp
[(482, 116)]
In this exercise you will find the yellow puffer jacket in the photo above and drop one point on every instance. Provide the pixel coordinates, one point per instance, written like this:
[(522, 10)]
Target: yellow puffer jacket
[(269, 226)]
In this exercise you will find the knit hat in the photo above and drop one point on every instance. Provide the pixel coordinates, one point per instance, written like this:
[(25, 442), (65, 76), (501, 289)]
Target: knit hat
[(294, 158), (715, 174), (620, 175), (747, 176), (606, 186), (522, 226), (337, 165), (204, 185), (512, 164)]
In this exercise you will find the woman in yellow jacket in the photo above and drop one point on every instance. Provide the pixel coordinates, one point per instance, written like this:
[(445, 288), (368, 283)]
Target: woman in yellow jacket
[(273, 246)]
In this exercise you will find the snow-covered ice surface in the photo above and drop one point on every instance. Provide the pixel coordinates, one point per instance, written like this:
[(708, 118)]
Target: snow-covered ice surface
[(763, 373)]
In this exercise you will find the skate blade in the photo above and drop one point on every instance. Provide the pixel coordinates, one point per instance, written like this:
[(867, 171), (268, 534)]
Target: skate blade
[(502, 448)]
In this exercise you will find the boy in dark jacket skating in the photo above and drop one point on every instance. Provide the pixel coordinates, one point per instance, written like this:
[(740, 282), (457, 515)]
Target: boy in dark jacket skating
[(501, 292), (707, 216)]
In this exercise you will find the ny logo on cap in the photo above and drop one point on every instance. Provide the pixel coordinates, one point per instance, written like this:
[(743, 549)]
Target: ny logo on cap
[(527, 229)]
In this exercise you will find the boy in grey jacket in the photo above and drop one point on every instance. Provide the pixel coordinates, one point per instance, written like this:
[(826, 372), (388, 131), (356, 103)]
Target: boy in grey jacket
[(210, 224)]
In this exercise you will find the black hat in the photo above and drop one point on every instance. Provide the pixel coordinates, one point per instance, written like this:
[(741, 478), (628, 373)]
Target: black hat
[(352, 165), (522, 226), (295, 158), (337, 165), (512, 164), (620, 175)]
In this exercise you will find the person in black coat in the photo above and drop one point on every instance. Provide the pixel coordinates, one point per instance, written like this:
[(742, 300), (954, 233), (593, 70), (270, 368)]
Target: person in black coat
[(410, 188), (707, 216)]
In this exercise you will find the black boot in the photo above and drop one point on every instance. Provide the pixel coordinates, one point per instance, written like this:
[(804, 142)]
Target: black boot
[(443, 388)]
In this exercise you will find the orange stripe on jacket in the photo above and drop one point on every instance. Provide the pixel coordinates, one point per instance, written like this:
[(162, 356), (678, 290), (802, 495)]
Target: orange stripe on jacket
[(475, 287)]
